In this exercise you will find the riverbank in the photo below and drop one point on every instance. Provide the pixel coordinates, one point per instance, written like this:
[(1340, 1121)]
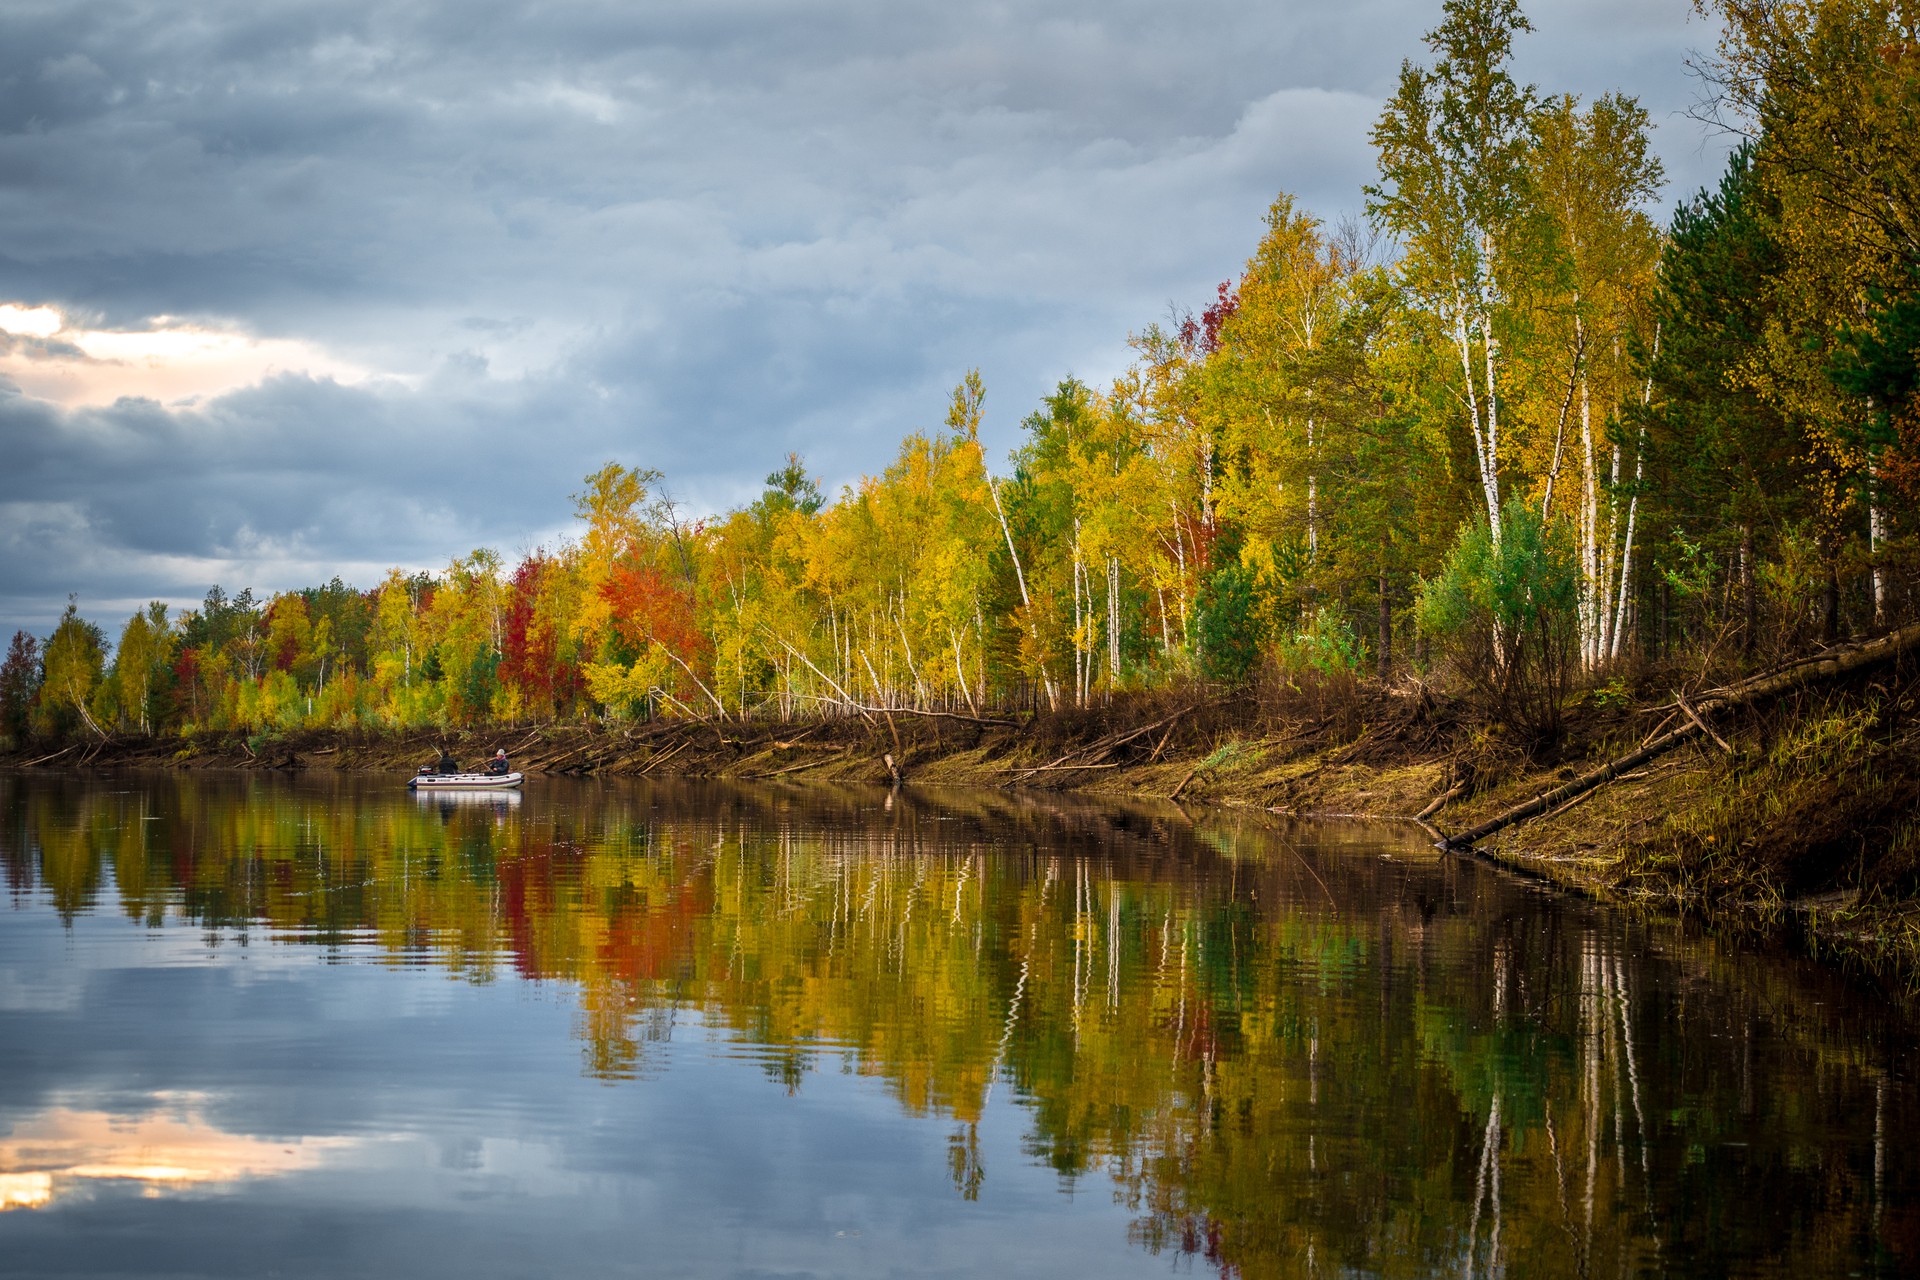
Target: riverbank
[(1801, 813)]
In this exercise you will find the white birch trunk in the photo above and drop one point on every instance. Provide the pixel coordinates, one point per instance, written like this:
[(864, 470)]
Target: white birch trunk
[(1589, 546), (1560, 428), (921, 691), (1876, 536), (1180, 557), (1489, 488), (1206, 477), (1081, 656), (1491, 480), (1626, 548), (1313, 500), (1020, 576), (1612, 570), (960, 673), (1619, 628), (1489, 294)]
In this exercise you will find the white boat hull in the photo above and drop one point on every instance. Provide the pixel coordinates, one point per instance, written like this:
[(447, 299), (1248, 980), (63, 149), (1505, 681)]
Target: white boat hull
[(464, 781)]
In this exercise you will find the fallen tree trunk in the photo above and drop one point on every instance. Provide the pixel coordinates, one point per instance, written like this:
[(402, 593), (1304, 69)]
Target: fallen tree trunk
[(1819, 669), (55, 756), (1104, 747), (939, 715)]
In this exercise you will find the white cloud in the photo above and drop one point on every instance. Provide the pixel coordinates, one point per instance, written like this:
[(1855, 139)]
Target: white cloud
[(30, 322)]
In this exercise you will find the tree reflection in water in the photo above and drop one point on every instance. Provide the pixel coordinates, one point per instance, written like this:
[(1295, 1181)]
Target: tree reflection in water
[(1289, 1050)]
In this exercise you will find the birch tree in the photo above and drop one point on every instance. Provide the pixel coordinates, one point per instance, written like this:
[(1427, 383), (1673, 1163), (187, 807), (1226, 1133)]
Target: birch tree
[(1453, 146), (140, 662), (73, 665), (1591, 171), (1291, 296)]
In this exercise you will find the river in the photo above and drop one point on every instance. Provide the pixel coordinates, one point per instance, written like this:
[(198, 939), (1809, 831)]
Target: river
[(316, 1027)]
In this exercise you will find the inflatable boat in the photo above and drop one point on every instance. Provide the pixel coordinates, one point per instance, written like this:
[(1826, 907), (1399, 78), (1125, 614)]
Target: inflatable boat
[(426, 780)]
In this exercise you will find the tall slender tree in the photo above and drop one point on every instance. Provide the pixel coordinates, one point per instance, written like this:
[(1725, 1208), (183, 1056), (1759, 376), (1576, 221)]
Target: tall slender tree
[(1453, 145)]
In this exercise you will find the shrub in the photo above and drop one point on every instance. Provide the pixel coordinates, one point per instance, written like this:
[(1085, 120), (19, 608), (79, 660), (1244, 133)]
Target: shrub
[(1325, 643), (1506, 617)]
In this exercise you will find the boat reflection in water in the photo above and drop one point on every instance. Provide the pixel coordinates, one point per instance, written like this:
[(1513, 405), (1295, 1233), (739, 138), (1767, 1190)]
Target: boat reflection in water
[(776, 1029), (500, 802)]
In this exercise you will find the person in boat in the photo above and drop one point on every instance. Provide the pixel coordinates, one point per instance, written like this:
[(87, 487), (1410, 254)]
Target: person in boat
[(498, 765), (447, 763)]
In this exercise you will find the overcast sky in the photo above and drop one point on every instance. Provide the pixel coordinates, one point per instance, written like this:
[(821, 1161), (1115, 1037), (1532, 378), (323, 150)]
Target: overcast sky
[(296, 289)]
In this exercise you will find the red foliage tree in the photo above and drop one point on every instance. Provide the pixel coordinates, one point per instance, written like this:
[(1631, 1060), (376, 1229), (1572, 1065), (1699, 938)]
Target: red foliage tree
[(1202, 337), (186, 675), (530, 657), (648, 606)]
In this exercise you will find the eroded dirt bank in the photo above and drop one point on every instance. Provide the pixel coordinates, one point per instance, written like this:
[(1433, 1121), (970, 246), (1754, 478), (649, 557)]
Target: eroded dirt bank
[(1801, 811)]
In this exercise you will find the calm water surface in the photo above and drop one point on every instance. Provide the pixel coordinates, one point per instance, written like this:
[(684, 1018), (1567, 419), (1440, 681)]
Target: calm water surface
[(317, 1027)]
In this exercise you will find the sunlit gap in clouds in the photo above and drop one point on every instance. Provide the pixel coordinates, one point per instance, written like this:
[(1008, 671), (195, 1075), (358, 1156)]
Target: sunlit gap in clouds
[(55, 357)]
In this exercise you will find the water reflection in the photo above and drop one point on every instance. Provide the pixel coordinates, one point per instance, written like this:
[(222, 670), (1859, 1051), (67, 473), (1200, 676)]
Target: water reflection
[(1283, 1050), (61, 1150), (500, 803)]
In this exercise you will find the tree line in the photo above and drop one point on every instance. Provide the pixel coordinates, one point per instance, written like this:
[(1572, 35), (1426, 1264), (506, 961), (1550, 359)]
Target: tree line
[(1508, 429)]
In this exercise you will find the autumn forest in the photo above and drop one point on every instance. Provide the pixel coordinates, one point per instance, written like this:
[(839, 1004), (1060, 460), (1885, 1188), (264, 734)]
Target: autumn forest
[(1510, 430)]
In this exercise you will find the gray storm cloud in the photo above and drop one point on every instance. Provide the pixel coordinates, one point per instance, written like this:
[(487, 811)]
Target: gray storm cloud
[(691, 236)]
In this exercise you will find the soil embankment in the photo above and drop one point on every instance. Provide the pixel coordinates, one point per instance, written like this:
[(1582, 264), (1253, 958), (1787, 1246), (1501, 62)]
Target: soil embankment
[(1801, 809)]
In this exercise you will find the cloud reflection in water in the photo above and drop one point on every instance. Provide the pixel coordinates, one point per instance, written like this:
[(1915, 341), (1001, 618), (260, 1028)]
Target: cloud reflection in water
[(63, 1150)]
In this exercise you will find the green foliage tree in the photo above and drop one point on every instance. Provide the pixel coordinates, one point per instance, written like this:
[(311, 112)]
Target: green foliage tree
[(1830, 90), (790, 488), (1731, 470), (1227, 623)]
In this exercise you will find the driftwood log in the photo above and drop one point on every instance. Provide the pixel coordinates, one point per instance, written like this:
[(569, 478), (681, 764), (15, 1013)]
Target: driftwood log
[(1087, 756), (1818, 669)]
